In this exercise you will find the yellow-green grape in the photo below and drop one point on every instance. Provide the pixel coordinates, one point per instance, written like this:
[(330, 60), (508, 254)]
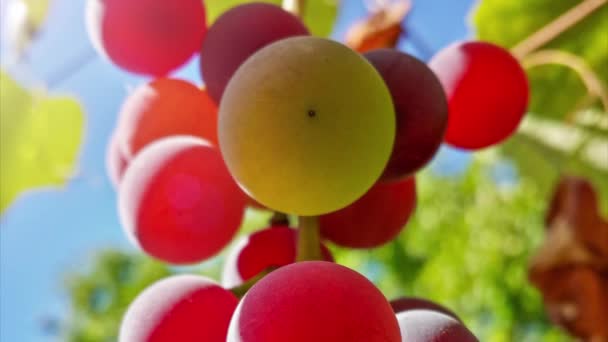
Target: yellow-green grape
[(306, 126)]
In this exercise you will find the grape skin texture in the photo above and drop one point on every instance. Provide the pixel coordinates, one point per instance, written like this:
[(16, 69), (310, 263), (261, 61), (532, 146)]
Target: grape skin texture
[(271, 247), (185, 308), (314, 301), (178, 202), (432, 326), (150, 37), (162, 108), (116, 163), (374, 219), (487, 92), (421, 108), (237, 34), (306, 126), (410, 303)]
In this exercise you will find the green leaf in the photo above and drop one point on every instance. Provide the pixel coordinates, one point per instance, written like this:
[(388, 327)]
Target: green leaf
[(39, 139), (319, 15), (556, 90)]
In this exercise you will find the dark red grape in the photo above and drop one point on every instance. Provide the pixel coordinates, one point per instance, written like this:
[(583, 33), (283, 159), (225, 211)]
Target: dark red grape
[(116, 163), (184, 308), (374, 219), (272, 247), (162, 108), (411, 303), (432, 326), (151, 37), (487, 92), (420, 106), (314, 301), (237, 34), (178, 202)]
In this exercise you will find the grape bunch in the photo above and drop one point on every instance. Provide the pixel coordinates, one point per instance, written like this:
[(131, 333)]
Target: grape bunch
[(298, 125)]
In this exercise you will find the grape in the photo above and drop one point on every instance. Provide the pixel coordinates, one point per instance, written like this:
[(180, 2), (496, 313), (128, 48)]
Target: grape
[(487, 93), (432, 326), (271, 247), (306, 126), (178, 202), (116, 163), (151, 37), (237, 34), (374, 219), (314, 301), (179, 308), (166, 107), (410, 303), (420, 106)]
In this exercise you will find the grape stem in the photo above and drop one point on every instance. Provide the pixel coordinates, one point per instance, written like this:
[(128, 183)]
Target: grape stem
[(241, 290), (309, 245), (279, 219)]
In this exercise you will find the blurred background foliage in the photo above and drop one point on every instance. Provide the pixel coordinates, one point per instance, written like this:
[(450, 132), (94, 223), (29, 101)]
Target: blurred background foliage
[(471, 238)]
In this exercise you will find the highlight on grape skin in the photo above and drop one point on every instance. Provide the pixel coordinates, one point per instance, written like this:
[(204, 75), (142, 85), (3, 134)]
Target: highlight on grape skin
[(178, 202), (420, 106), (162, 108), (322, 120), (487, 91), (427, 325), (237, 34), (127, 32), (374, 219), (314, 301), (185, 308), (268, 248), (403, 304)]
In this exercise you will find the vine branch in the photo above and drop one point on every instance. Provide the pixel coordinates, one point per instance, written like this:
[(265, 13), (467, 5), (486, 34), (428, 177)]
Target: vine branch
[(592, 82), (556, 27)]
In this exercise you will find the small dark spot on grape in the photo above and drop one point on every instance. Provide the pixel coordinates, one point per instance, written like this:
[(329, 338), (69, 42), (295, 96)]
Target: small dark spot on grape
[(312, 113)]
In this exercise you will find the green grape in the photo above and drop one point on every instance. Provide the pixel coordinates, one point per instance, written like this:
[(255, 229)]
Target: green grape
[(306, 126)]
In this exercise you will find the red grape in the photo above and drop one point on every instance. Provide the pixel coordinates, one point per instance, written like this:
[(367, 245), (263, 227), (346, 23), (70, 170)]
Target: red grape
[(274, 246), (410, 303), (162, 108), (374, 219), (179, 308), (487, 93), (237, 34), (116, 163), (420, 106), (432, 326), (178, 202), (314, 301), (151, 37)]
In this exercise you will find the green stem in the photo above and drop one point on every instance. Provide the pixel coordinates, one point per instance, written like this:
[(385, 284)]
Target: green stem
[(241, 290), (308, 239)]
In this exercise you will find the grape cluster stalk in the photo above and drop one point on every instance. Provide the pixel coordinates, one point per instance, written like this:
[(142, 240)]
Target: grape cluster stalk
[(299, 125)]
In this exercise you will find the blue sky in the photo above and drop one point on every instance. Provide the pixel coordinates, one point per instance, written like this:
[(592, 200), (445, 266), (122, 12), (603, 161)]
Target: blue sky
[(47, 233)]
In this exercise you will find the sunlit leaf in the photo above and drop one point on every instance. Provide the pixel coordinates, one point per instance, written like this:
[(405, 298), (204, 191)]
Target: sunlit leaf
[(39, 140)]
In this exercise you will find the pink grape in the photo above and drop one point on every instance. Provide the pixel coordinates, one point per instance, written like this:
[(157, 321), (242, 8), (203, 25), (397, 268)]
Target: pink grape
[(487, 92), (271, 247), (151, 37), (420, 106), (411, 303), (374, 219), (178, 202), (185, 308), (238, 34), (314, 301), (432, 326), (116, 163), (162, 108)]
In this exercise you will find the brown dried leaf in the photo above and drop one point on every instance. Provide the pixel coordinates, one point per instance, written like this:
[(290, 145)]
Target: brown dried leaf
[(381, 29), (571, 266)]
